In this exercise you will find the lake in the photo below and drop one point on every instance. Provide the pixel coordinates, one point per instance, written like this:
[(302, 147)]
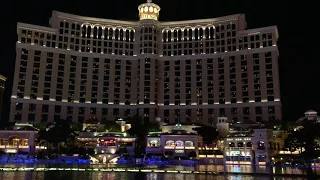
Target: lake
[(76, 175)]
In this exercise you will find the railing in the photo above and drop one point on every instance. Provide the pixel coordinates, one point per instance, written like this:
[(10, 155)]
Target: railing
[(238, 148), (13, 147), (179, 147), (211, 156)]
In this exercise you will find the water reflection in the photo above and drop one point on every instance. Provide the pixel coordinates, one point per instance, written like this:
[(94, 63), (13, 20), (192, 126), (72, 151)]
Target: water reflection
[(121, 176), (72, 175)]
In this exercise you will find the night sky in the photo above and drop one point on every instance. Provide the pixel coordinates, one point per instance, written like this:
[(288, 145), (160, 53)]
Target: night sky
[(299, 74)]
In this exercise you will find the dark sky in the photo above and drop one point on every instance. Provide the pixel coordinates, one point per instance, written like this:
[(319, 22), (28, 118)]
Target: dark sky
[(299, 66)]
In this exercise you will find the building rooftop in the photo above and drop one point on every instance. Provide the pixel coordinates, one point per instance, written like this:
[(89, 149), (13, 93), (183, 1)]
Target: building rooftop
[(178, 132), (20, 127)]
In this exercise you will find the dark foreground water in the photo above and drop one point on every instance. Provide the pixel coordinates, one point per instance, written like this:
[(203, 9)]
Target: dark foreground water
[(76, 175), (122, 176)]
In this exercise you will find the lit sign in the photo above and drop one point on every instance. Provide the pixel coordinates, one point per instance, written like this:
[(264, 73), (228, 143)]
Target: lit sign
[(148, 16), (11, 151), (233, 153), (179, 151)]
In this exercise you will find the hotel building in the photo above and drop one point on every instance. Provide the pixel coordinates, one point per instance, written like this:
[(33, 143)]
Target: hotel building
[(190, 71), (2, 88)]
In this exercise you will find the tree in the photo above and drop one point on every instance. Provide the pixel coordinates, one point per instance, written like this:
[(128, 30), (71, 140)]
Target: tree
[(208, 134), (138, 130), (112, 126), (306, 137), (41, 126), (57, 133)]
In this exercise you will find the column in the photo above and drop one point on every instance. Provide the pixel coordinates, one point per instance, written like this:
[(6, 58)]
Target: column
[(122, 83), (160, 93), (172, 83), (240, 114), (250, 78), (216, 82), (51, 113), (275, 76), (193, 83), (263, 78), (238, 79), (13, 111), (252, 116), (54, 74), (265, 113), (134, 82), (111, 83), (77, 80), (29, 74), (75, 115), (141, 80), (227, 80), (153, 80), (38, 113), (66, 76), (89, 80), (182, 82)]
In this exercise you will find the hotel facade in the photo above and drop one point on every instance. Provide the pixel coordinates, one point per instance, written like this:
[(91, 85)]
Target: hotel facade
[(182, 71)]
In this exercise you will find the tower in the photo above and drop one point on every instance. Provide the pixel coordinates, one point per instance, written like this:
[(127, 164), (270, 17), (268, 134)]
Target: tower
[(148, 57), (222, 126), (149, 10)]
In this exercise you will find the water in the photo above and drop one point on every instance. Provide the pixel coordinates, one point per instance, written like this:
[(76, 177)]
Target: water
[(122, 176), (71, 175)]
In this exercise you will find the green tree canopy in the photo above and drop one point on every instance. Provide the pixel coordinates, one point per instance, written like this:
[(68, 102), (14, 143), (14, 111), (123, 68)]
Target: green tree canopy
[(57, 132), (140, 128), (208, 133), (306, 137), (112, 126)]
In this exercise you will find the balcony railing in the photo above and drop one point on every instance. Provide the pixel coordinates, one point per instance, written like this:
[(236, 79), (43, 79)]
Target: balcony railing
[(179, 147), (238, 148)]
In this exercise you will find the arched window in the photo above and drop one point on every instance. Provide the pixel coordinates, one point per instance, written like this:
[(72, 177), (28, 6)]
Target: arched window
[(110, 33), (95, 32), (179, 143), (165, 36), (14, 141), (189, 144), (84, 31), (88, 31), (211, 33), (116, 35), (121, 35), (240, 144), (231, 144), (170, 143), (131, 36), (196, 34)]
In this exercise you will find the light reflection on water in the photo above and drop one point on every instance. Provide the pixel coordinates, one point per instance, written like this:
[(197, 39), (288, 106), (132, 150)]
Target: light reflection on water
[(121, 176), (72, 175)]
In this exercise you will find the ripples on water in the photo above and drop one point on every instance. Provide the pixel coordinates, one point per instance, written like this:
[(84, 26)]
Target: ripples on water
[(121, 176)]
